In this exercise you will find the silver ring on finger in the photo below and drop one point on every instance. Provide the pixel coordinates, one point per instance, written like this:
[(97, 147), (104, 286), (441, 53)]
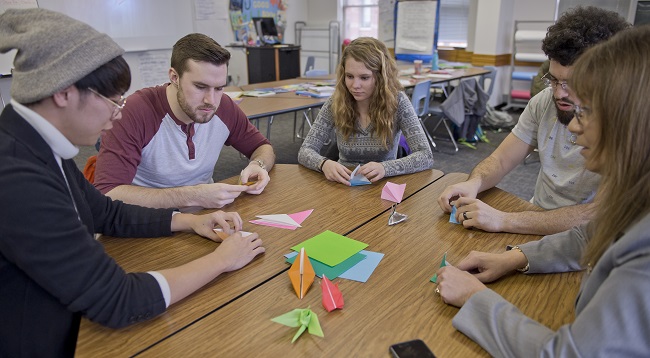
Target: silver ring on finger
[(465, 215)]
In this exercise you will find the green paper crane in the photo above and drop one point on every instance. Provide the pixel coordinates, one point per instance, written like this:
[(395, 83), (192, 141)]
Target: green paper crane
[(444, 263), (304, 318)]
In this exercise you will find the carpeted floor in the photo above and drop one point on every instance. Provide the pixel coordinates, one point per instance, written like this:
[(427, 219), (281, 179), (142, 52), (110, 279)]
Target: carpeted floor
[(520, 181)]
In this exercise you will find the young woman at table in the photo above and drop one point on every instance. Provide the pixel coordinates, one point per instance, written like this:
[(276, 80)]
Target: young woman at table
[(612, 122), (368, 111)]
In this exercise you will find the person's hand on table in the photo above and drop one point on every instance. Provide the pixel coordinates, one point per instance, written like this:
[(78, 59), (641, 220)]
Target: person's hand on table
[(455, 286), (337, 172), (217, 195), (473, 213), (488, 267), (464, 189), (237, 251), (373, 171), (204, 225), (254, 172)]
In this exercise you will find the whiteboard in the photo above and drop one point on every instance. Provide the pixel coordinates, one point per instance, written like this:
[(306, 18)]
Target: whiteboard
[(136, 25), (7, 59), (415, 29)]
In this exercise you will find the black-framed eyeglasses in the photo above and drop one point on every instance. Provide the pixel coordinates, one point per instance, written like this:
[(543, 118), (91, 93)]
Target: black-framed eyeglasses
[(118, 105), (550, 81), (580, 112)]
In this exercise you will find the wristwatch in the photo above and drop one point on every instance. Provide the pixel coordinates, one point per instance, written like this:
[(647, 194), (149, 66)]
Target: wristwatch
[(260, 162)]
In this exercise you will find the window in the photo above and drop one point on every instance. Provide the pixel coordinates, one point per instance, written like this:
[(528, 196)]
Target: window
[(452, 29), (360, 18)]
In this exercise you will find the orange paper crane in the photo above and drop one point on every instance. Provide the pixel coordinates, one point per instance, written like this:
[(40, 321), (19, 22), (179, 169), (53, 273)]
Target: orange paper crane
[(301, 274), (332, 297)]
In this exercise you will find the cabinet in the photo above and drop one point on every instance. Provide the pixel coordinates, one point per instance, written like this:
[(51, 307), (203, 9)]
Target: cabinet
[(272, 63), (526, 58)]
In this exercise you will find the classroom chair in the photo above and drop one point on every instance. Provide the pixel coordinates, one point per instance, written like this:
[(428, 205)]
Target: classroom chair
[(420, 102), (464, 108), (307, 114), (311, 60)]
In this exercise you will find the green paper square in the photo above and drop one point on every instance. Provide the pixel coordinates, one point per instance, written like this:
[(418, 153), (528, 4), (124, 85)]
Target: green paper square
[(330, 248)]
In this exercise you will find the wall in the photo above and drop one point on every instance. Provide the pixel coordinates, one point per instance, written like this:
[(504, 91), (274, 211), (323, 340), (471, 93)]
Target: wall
[(151, 67), (491, 33)]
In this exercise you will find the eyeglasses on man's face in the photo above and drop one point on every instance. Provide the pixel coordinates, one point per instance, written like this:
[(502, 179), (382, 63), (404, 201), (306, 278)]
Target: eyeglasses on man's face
[(117, 105), (550, 81), (581, 112)]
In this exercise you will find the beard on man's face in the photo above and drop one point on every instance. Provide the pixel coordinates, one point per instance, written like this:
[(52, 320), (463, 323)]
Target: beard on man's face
[(563, 117)]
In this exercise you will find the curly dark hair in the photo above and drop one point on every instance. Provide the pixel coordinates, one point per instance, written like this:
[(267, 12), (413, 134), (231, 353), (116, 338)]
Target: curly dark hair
[(577, 30)]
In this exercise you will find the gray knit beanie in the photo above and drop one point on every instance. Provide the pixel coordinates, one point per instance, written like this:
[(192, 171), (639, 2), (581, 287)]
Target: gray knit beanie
[(54, 51)]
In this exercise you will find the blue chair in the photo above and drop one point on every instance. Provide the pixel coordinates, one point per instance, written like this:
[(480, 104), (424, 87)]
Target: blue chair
[(316, 73), (420, 102), (311, 60)]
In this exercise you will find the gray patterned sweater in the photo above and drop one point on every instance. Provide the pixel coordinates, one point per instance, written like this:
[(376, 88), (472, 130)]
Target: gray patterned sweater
[(362, 147)]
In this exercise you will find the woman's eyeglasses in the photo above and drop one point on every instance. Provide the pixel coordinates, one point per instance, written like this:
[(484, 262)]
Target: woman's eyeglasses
[(580, 113), (118, 105)]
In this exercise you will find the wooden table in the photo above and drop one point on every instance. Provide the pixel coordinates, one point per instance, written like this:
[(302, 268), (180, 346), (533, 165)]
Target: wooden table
[(292, 188), (397, 304), (256, 108), (455, 74)]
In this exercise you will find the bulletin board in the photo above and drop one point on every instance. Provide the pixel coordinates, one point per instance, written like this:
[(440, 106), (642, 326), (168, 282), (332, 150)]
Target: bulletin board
[(7, 59), (136, 25), (416, 27)]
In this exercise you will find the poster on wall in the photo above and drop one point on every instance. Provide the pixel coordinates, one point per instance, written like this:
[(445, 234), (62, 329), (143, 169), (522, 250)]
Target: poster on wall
[(242, 13)]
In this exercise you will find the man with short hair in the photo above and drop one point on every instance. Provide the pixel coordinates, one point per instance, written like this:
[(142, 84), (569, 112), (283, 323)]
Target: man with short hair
[(565, 189), (67, 87), (164, 150)]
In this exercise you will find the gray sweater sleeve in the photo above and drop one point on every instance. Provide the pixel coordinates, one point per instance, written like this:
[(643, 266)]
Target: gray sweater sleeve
[(613, 322), (611, 317), (560, 252)]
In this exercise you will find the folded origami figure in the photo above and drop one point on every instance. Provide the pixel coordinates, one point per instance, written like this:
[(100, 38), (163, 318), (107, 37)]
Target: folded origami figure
[(304, 318), (332, 297)]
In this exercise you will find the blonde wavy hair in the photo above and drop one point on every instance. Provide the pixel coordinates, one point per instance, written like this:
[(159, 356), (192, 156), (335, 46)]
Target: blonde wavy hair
[(383, 102), (613, 78)]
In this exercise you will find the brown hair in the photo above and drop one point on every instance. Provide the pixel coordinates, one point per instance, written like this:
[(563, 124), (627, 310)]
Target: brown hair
[(613, 78), (197, 47), (383, 102)]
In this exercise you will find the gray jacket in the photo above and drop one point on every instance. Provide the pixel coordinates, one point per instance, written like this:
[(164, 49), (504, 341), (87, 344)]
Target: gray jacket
[(612, 308)]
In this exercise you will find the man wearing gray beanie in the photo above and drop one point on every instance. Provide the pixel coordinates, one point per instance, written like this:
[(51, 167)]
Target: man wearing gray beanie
[(67, 87)]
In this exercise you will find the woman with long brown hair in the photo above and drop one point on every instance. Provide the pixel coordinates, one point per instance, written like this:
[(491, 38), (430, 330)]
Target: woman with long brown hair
[(611, 83), (368, 111)]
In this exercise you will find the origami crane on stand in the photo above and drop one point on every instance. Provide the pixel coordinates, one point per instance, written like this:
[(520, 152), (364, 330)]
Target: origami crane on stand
[(394, 192), (301, 274)]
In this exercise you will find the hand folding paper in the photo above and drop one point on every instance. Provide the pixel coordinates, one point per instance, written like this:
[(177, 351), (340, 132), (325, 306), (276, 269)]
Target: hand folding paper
[(358, 179)]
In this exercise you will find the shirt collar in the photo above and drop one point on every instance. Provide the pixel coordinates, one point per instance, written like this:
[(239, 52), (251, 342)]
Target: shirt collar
[(61, 146)]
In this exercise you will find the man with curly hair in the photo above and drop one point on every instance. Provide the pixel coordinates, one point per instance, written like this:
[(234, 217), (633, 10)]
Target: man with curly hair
[(564, 188)]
